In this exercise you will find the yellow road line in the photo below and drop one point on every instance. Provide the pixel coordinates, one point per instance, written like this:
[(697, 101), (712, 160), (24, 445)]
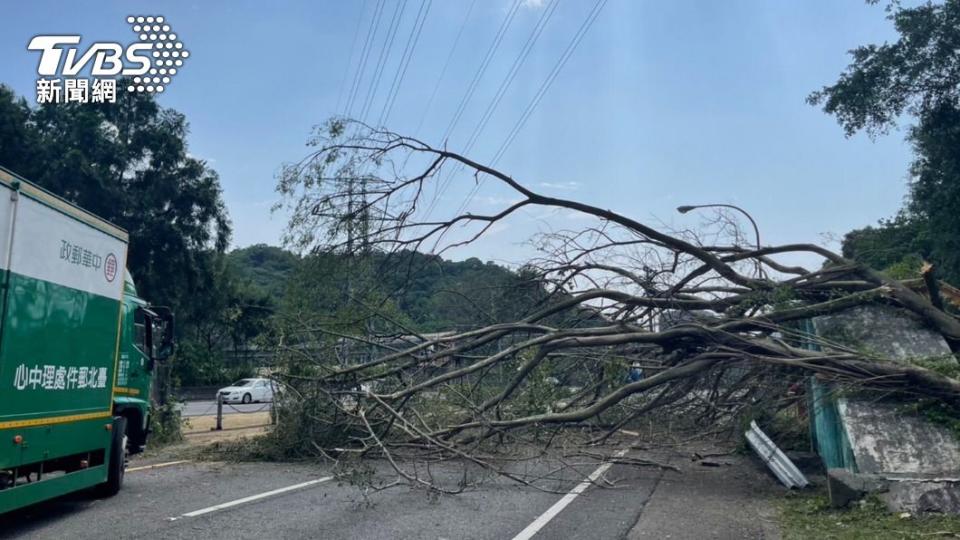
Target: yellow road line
[(158, 465)]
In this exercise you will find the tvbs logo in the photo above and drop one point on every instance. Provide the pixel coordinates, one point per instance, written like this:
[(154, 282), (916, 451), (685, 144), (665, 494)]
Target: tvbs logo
[(149, 64)]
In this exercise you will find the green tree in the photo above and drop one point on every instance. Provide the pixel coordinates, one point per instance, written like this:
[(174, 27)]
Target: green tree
[(896, 246), (227, 316), (916, 76), (265, 268), (431, 293), (127, 162), (935, 189)]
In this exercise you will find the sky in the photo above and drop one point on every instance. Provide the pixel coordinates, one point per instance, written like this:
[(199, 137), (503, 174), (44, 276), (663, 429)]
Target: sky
[(660, 104)]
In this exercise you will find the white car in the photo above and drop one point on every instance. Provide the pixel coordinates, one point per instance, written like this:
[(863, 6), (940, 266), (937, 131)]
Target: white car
[(249, 391)]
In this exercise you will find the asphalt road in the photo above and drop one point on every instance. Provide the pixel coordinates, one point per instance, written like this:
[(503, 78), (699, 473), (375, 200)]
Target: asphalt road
[(205, 408), (199, 500)]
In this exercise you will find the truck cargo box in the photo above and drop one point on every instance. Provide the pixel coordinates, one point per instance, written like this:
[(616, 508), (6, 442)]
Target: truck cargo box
[(62, 276)]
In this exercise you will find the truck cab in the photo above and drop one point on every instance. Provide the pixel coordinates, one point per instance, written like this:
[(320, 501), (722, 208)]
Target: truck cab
[(146, 337)]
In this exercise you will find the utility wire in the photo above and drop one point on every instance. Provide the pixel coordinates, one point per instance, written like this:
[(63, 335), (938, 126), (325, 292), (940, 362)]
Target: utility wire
[(502, 90), (544, 87), (405, 58), (353, 51), (491, 51), (446, 64), (385, 50), (472, 87), (511, 75), (584, 28), (364, 54)]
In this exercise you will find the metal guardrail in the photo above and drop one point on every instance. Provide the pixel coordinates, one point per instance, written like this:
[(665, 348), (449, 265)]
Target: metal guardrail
[(195, 393), (778, 462), (266, 406)]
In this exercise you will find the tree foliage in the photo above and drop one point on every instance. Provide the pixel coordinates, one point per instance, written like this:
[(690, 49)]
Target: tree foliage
[(935, 187), (916, 76), (264, 268), (128, 163), (896, 246), (439, 295), (432, 293)]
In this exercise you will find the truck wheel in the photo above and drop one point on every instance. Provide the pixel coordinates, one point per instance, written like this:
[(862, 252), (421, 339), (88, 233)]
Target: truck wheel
[(247, 398), (118, 460)]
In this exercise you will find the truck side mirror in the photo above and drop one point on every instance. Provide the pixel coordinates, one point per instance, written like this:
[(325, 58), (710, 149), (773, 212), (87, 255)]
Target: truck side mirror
[(167, 345)]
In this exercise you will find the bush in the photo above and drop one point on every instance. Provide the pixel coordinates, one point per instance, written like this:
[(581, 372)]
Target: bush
[(165, 424)]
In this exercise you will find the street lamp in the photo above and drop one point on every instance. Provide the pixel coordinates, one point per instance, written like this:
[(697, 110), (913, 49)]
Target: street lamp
[(756, 230)]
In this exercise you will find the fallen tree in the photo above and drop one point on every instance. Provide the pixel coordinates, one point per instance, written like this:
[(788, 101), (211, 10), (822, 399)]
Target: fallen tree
[(714, 323)]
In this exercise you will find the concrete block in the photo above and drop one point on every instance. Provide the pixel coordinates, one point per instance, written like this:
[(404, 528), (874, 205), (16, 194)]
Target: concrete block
[(845, 487), (919, 496)]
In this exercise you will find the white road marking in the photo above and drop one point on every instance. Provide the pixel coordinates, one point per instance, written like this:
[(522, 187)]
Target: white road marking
[(558, 507), (158, 465), (251, 498)]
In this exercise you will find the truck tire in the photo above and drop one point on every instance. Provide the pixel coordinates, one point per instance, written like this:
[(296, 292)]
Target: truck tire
[(118, 460), (247, 398)]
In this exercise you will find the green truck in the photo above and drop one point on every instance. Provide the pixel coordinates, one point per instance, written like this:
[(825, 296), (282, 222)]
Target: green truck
[(77, 349)]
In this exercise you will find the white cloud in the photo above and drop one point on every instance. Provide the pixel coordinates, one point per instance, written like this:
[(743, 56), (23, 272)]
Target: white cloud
[(560, 186), (533, 4), (486, 200)]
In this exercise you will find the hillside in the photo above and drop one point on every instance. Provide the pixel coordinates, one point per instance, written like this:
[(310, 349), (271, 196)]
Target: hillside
[(266, 268), (435, 293)]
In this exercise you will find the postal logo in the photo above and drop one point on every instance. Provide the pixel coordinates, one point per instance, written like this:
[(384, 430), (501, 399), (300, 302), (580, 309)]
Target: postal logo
[(110, 267), (152, 61)]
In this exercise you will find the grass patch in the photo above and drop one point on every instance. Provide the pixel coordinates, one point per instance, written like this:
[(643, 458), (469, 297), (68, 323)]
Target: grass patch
[(809, 515)]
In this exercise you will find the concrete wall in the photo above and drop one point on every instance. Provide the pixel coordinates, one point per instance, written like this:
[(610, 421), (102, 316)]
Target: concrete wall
[(890, 332), (885, 441), (921, 460)]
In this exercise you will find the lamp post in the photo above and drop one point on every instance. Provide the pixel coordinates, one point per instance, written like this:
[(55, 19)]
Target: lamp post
[(756, 230)]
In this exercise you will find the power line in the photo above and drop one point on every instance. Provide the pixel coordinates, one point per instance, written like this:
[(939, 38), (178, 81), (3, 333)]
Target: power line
[(405, 58), (584, 28), (491, 51), (382, 59), (353, 50), (511, 74), (402, 64), (355, 87), (544, 87), (471, 88), (446, 64), (502, 90), (364, 54)]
